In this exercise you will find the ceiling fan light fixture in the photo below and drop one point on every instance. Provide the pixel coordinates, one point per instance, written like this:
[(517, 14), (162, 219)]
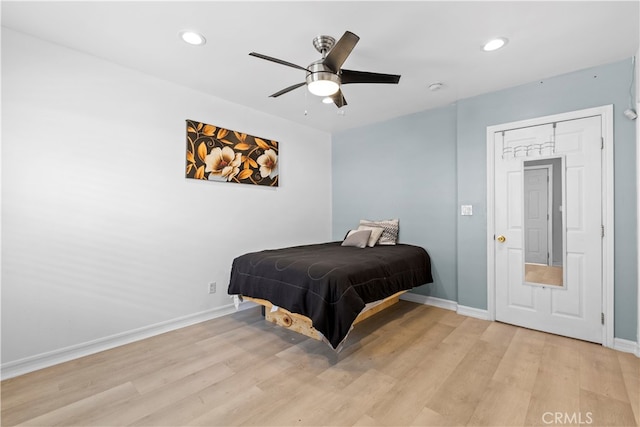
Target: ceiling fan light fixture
[(323, 87), (327, 100), (323, 84)]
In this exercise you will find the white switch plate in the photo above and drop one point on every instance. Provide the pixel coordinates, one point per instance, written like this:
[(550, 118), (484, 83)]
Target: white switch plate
[(466, 210)]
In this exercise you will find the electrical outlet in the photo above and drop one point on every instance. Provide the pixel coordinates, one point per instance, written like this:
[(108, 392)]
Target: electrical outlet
[(212, 287)]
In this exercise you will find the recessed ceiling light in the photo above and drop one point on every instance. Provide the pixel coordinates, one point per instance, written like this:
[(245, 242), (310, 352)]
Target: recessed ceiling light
[(435, 86), (494, 44), (191, 37)]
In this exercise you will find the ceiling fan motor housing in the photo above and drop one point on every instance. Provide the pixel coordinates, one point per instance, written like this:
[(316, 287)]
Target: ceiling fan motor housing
[(318, 71)]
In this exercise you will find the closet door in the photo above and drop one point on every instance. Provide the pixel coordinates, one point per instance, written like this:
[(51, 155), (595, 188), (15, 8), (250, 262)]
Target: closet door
[(569, 301)]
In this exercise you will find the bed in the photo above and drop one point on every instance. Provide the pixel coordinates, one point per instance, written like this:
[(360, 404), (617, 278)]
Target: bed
[(321, 289)]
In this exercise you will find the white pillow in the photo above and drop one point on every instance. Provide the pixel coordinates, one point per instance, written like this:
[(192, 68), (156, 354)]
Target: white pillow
[(376, 232), (357, 238), (390, 233)]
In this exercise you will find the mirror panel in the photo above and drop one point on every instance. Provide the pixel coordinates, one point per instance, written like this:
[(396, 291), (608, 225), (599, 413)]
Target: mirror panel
[(543, 222)]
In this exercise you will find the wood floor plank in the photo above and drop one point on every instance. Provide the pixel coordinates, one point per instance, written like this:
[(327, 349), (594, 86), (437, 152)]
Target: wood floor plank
[(519, 366), (405, 364), (451, 318), (604, 411), (143, 405), (367, 421), (77, 412), (557, 386), (231, 410), (630, 367), (352, 402), (176, 370), (408, 365), (212, 400), (459, 396), (429, 417), (405, 401), (501, 405), (600, 373), (115, 368), (499, 333), (298, 392)]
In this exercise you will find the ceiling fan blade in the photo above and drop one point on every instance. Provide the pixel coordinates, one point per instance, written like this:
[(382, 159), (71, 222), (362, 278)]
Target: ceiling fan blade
[(277, 61), (288, 89), (350, 76), (338, 99), (340, 51)]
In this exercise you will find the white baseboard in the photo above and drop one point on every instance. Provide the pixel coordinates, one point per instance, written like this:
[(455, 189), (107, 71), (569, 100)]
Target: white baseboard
[(446, 304), (478, 313), (626, 346), (427, 300), (44, 360)]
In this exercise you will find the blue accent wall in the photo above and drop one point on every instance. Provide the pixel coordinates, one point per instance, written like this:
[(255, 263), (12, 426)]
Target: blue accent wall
[(420, 168), (406, 169)]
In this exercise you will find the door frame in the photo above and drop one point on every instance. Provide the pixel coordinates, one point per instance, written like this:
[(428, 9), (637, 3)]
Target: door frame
[(606, 114)]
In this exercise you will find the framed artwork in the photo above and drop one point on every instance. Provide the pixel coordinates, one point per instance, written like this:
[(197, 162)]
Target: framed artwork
[(218, 154)]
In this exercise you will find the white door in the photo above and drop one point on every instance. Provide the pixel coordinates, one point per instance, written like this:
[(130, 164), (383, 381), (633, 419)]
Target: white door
[(573, 309), (536, 215)]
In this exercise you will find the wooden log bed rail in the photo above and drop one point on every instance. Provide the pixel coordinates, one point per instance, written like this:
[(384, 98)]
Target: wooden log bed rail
[(303, 325)]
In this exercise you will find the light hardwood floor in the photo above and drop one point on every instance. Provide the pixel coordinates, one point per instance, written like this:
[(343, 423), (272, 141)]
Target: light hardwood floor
[(411, 365)]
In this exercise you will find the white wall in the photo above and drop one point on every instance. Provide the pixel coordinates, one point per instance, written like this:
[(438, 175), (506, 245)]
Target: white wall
[(102, 235)]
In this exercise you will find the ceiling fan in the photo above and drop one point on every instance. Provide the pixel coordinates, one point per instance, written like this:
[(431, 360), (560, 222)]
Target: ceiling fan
[(324, 76)]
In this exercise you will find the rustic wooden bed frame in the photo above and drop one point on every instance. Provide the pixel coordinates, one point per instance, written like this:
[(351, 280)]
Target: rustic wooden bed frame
[(303, 325)]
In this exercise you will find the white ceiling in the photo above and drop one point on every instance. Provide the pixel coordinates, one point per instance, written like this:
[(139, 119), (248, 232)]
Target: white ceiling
[(424, 41)]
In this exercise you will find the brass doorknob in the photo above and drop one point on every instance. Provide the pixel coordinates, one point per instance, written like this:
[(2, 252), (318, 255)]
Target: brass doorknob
[(501, 239)]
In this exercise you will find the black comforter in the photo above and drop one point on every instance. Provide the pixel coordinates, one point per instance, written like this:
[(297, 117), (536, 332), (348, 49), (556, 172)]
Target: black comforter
[(327, 282)]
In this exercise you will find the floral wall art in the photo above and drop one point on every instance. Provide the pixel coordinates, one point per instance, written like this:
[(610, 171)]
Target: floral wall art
[(218, 154)]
